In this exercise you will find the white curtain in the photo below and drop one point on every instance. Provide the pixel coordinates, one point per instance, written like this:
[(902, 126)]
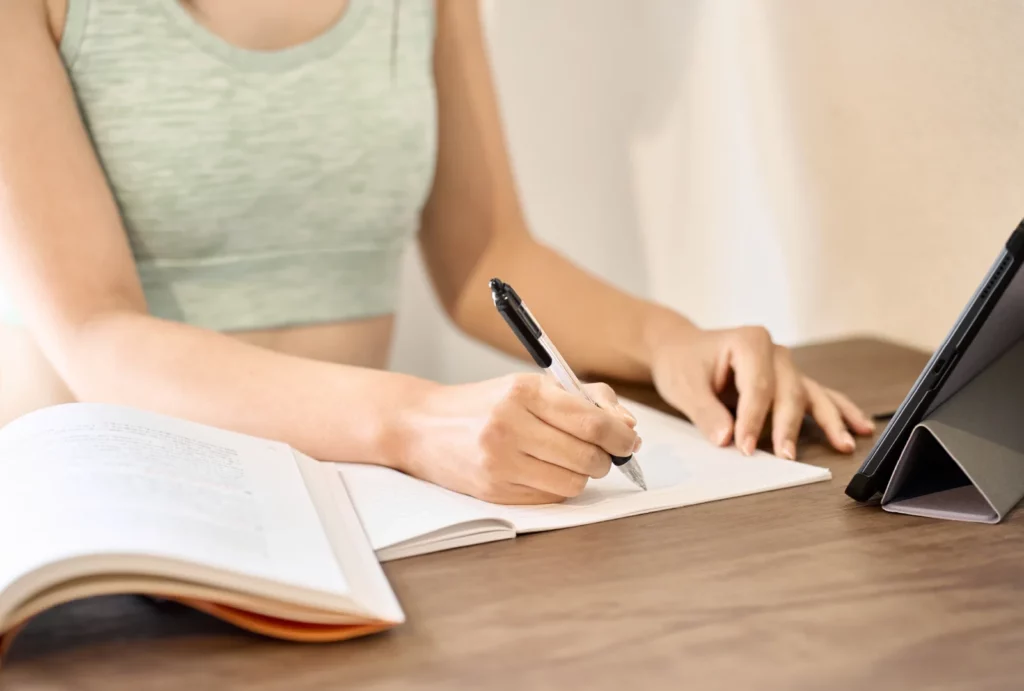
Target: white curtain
[(822, 167)]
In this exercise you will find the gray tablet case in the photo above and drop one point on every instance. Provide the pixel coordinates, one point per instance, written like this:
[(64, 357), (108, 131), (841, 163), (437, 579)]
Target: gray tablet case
[(965, 460)]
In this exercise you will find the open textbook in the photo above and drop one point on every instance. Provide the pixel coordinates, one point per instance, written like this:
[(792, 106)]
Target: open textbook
[(98, 499), (404, 516)]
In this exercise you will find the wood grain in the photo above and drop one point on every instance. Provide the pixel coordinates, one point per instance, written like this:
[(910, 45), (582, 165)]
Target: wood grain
[(797, 589)]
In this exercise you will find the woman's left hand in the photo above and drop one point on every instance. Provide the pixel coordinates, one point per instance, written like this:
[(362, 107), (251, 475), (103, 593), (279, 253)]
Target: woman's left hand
[(694, 369)]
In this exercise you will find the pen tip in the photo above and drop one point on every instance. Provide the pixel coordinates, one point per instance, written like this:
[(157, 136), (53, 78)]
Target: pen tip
[(632, 471)]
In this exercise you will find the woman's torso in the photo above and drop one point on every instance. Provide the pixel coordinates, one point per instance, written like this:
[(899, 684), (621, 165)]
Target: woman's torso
[(273, 28)]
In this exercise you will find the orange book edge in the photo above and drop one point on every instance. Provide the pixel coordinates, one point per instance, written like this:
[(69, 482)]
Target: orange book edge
[(272, 627)]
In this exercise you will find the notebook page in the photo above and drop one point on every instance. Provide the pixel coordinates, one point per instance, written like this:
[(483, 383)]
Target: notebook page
[(89, 478), (396, 508), (681, 469)]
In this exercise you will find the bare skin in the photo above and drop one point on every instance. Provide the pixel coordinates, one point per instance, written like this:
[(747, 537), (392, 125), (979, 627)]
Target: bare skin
[(28, 380), (520, 439)]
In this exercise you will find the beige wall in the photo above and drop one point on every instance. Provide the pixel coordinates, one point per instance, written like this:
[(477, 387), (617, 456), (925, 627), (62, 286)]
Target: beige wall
[(911, 121), (820, 167)]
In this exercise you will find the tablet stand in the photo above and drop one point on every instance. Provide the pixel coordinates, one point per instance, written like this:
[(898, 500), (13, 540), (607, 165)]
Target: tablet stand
[(965, 460)]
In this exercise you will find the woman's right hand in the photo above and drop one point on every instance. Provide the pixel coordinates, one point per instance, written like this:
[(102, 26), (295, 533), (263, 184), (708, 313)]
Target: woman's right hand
[(520, 439)]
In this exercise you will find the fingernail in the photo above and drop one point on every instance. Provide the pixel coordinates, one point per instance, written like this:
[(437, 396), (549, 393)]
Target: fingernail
[(625, 413), (748, 445), (637, 444), (788, 450), (847, 441), (871, 424), (722, 437)]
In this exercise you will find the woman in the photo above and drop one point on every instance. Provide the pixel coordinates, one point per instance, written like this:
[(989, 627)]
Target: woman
[(202, 208)]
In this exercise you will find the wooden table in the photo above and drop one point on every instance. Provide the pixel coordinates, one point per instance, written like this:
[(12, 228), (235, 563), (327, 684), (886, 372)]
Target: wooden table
[(796, 589)]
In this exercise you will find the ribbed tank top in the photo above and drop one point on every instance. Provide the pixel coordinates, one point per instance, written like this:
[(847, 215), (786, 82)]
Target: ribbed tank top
[(260, 188)]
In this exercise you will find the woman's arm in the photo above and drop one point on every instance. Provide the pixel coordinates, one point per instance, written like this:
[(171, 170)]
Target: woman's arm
[(65, 256), (473, 229)]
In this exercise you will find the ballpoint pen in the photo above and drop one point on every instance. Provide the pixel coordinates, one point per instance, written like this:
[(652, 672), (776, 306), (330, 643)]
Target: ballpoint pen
[(524, 325)]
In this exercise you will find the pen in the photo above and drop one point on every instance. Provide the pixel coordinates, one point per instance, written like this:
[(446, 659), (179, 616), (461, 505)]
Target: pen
[(547, 357)]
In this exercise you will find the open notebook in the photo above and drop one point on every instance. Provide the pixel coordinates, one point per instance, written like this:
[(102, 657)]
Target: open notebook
[(404, 516)]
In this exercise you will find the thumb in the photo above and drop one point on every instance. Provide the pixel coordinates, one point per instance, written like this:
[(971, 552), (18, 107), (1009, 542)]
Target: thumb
[(707, 412), (606, 399)]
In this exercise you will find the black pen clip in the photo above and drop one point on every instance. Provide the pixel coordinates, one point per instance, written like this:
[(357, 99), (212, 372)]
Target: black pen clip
[(518, 318)]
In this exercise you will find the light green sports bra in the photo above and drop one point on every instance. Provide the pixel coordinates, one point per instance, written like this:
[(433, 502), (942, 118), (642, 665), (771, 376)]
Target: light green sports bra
[(260, 189)]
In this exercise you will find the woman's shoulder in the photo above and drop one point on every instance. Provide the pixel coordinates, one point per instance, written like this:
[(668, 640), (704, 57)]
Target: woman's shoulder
[(16, 15)]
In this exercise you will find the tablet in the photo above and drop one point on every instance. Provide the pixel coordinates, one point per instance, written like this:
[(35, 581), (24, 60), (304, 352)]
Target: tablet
[(992, 322)]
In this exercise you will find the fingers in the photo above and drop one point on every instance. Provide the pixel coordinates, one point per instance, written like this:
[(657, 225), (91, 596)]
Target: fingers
[(826, 413), (520, 494), (852, 414), (546, 477), (587, 422), (501, 464), (753, 363), (700, 403), (789, 406), (546, 443), (605, 397), (541, 444)]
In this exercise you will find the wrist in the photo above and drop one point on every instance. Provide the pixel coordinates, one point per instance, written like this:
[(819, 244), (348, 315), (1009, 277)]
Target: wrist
[(401, 424), (662, 326)]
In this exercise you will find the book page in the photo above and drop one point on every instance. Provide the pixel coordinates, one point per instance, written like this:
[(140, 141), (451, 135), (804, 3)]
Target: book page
[(368, 585), (83, 479), (395, 507)]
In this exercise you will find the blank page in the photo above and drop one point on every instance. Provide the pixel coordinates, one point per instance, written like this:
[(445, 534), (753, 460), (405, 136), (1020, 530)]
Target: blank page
[(681, 468), (396, 508)]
